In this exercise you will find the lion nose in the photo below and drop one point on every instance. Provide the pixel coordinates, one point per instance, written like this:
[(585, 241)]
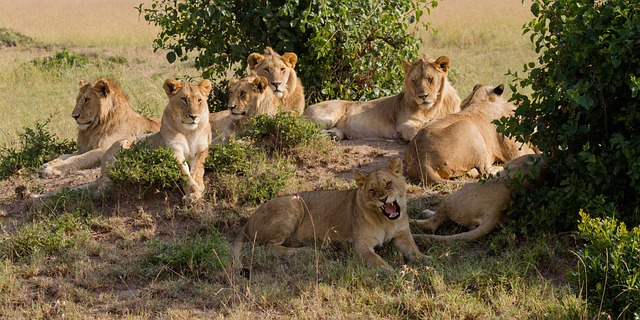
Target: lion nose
[(276, 84), (75, 116), (231, 107), (193, 116), (423, 96)]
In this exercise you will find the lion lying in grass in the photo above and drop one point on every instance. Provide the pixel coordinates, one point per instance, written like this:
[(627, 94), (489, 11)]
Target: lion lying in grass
[(104, 116), (427, 95), (478, 205), (248, 97), (372, 214), (460, 142), (282, 77)]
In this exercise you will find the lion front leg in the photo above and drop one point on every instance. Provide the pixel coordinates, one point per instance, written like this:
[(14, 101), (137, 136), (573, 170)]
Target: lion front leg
[(364, 248), (406, 244), (195, 185), (70, 162)]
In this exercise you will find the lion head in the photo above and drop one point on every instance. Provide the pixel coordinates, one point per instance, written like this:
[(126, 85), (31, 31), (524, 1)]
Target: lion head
[(384, 190), (250, 96), (188, 102), (277, 69), (96, 101), (483, 93), (425, 79)]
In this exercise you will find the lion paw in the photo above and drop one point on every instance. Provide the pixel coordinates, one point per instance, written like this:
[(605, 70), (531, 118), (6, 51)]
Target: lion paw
[(192, 198), (48, 170)]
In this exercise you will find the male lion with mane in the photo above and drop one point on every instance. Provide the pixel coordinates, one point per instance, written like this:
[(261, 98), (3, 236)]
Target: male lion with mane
[(460, 142), (372, 214), (282, 77), (104, 116), (427, 95), (248, 97)]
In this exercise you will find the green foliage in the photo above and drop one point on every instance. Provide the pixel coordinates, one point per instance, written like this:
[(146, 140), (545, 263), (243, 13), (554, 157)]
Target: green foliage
[(584, 111), (48, 236), (281, 132), (195, 256), (36, 146), (242, 173), (147, 168), (346, 49), (61, 60), (608, 274), (10, 38)]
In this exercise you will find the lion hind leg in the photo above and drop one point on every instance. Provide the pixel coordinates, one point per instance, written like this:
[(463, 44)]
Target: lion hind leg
[(482, 230)]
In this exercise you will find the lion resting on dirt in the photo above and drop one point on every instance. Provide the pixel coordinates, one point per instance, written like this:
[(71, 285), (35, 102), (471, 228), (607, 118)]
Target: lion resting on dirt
[(184, 128), (459, 142), (248, 97), (478, 205), (427, 95), (104, 116), (372, 214), (284, 82)]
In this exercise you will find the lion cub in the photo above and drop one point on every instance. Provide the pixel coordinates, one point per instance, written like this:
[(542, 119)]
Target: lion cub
[(479, 205), (372, 214)]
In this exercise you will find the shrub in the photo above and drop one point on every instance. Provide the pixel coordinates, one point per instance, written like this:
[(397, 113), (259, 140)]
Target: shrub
[(584, 111), (608, 274), (341, 53), (36, 146), (195, 256), (61, 60), (281, 132), (232, 157), (147, 168), (10, 38)]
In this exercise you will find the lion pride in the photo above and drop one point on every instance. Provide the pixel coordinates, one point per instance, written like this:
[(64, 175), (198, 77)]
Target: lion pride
[(459, 142), (282, 77), (372, 214), (104, 116), (427, 95)]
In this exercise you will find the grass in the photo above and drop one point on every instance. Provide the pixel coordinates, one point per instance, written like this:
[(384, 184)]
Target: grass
[(124, 255)]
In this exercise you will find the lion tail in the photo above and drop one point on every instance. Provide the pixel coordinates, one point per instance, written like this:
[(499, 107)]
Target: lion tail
[(237, 246), (475, 234)]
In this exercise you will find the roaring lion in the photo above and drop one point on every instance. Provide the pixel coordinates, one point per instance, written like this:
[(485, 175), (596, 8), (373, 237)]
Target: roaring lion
[(450, 146), (184, 128), (284, 82), (248, 97), (478, 205), (104, 116), (427, 95), (372, 214)]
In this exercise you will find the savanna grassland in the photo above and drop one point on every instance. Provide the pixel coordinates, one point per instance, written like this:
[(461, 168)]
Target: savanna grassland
[(138, 254)]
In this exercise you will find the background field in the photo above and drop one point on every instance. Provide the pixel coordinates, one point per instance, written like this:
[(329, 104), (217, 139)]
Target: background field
[(106, 275)]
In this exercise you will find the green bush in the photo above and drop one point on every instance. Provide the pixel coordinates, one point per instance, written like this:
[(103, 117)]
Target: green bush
[(148, 168), (195, 256), (281, 132), (233, 157), (10, 38), (608, 274), (36, 146), (584, 111), (346, 49), (61, 60)]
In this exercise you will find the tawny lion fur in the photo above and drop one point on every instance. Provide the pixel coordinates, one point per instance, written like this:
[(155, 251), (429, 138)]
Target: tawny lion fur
[(479, 205), (427, 95), (184, 128), (104, 116), (372, 214), (453, 145), (282, 77), (248, 97)]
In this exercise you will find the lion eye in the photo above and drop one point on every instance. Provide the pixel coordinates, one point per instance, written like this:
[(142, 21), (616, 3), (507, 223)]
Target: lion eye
[(266, 70), (184, 100), (86, 100), (372, 192), (199, 100), (430, 80), (388, 185), (242, 94), (415, 81), (282, 70)]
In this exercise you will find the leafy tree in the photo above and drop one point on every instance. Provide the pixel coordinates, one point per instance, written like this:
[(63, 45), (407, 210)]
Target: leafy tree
[(584, 111), (346, 49)]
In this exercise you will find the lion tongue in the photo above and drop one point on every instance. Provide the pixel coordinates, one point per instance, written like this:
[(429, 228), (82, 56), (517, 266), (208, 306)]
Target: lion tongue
[(390, 208)]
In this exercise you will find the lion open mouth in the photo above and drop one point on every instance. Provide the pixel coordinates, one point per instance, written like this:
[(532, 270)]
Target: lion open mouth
[(391, 210)]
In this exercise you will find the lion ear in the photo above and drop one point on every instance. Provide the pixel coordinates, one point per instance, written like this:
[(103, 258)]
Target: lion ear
[(233, 81), (396, 166), (406, 65), (443, 63), (260, 84), (171, 86), (205, 87), (101, 87), (82, 83), (290, 59), (360, 178), (254, 59), (499, 89), (476, 87)]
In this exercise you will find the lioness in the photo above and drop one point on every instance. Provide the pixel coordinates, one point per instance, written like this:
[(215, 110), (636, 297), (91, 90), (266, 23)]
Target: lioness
[(280, 72), (427, 95), (459, 142), (104, 116), (478, 205), (184, 128), (248, 97), (372, 214)]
